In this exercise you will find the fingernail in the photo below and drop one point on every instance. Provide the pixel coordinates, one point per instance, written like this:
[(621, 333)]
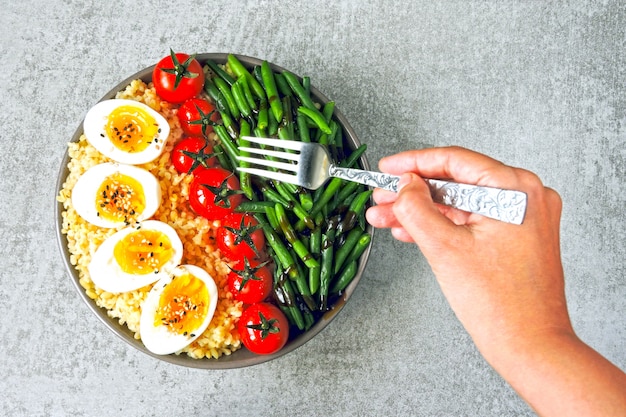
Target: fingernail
[(405, 179)]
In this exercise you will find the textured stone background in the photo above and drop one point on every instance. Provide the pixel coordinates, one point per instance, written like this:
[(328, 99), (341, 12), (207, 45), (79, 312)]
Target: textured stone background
[(535, 84)]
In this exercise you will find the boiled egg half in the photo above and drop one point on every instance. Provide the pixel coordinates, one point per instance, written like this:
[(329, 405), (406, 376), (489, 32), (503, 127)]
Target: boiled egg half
[(126, 131), (177, 310), (136, 256), (112, 195)]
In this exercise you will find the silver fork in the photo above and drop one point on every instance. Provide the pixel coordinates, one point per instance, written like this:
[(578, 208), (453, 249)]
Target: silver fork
[(310, 166)]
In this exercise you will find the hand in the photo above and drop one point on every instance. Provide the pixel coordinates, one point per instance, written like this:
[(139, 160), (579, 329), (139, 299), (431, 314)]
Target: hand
[(500, 279), (504, 282)]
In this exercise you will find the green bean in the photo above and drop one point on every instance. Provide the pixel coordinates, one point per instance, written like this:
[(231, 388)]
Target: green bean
[(224, 88), (295, 206), (222, 107), (326, 271), (286, 310), (303, 288), (339, 143), (347, 190), (272, 90), (328, 193), (217, 97), (272, 195), (295, 310), (256, 72), (315, 246), (351, 160), (299, 90), (332, 137), (299, 248), (306, 84), (316, 117), (282, 253), (344, 204), (326, 138), (286, 298), (245, 180), (359, 248), (356, 209), (285, 128), (282, 85), (239, 70), (228, 144), (270, 213), (240, 99), (303, 128), (254, 207), (306, 201), (258, 132), (344, 278), (344, 250), (230, 125), (272, 124), (328, 110), (262, 116), (245, 88), (222, 157), (219, 71)]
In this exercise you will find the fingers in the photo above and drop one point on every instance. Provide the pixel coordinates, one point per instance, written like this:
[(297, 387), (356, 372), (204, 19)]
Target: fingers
[(416, 213), (413, 216), (458, 164), (402, 235), (383, 196)]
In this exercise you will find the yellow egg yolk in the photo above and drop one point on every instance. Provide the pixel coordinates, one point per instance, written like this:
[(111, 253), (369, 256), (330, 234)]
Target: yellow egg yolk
[(131, 129), (183, 305), (120, 198), (143, 252)]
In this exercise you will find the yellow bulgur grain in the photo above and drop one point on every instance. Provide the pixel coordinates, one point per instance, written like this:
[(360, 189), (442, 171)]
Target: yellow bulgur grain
[(196, 233)]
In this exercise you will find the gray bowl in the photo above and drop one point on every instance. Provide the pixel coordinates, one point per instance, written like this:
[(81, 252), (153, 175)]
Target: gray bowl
[(242, 357)]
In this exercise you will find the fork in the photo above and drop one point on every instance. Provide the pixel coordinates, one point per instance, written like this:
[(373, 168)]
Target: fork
[(310, 165)]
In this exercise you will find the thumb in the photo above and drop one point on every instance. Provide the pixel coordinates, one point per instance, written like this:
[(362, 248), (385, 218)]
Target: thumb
[(419, 216)]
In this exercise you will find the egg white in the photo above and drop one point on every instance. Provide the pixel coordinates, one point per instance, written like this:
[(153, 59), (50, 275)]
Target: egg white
[(160, 340), (95, 132), (86, 188), (107, 274)]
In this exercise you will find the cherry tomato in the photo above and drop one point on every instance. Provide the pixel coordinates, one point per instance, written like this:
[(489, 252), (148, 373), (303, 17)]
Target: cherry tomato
[(214, 193), (178, 77), (192, 153), (250, 281), (240, 236), (197, 117), (263, 328)]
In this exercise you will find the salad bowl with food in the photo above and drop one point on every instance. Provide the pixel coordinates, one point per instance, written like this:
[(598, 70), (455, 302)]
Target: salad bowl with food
[(180, 254)]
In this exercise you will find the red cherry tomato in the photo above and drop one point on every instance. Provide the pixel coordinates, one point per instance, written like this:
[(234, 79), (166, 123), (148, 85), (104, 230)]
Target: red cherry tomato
[(240, 236), (214, 193), (192, 153), (264, 329), (197, 117), (178, 77), (250, 281)]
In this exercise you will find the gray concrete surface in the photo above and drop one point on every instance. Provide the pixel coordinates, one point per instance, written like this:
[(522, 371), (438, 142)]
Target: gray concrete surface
[(535, 84)]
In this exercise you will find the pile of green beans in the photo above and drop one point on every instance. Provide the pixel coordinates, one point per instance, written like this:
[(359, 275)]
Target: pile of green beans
[(315, 237)]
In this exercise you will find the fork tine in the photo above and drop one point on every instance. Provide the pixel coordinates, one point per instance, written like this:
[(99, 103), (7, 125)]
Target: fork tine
[(267, 152), (276, 143), (267, 163), (279, 176)]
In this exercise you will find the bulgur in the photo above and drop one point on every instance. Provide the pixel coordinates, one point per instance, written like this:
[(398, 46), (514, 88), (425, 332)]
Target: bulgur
[(196, 233)]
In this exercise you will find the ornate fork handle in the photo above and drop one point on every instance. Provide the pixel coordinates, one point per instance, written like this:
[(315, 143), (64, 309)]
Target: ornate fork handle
[(505, 205)]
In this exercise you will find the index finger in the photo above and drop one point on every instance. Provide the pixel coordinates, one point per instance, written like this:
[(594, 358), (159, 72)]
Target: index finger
[(455, 163)]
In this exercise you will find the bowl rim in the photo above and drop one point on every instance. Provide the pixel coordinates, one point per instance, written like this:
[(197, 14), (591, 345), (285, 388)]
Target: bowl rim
[(242, 357)]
